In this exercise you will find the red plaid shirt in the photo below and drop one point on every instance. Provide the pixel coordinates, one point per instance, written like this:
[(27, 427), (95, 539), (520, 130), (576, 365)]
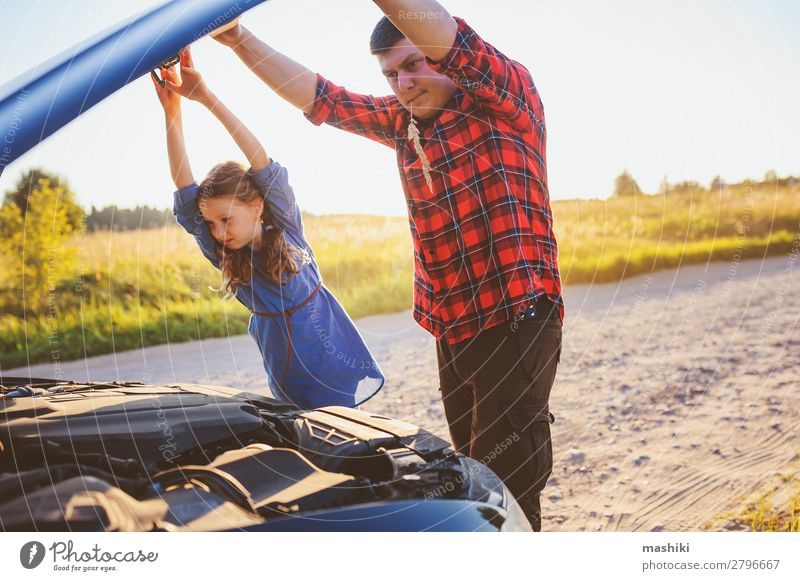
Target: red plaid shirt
[(484, 246)]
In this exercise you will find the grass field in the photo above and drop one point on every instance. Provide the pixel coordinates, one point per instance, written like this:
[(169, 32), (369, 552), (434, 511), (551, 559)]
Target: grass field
[(148, 287)]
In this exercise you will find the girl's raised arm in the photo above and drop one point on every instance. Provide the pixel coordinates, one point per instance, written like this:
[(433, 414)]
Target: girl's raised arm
[(176, 147), (185, 205), (244, 138), (193, 87)]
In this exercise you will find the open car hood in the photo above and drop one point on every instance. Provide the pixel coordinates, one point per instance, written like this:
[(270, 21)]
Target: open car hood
[(47, 97)]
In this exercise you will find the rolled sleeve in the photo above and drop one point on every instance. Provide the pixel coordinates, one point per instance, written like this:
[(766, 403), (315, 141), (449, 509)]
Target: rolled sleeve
[(466, 45), (495, 81), (366, 115), (323, 105), (185, 199), (273, 182)]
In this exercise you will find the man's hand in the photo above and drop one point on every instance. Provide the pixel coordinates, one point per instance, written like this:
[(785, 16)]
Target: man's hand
[(230, 37), (192, 86)]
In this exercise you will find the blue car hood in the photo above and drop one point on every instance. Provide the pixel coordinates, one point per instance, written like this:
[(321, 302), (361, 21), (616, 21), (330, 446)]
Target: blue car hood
[(42, 100)]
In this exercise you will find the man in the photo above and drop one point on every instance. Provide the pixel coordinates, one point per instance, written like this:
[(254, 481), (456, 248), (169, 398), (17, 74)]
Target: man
[(468, 128)]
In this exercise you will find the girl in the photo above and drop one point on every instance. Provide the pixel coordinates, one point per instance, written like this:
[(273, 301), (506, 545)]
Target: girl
[(312, 352)]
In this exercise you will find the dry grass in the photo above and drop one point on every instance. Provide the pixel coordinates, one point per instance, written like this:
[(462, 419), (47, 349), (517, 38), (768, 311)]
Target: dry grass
[(777, 510), (148, 287)]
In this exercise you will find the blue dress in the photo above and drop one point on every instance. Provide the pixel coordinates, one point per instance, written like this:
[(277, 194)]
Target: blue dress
[(327, 362)]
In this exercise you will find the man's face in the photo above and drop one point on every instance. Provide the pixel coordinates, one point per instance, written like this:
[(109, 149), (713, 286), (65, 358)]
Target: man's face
[(419, 89)]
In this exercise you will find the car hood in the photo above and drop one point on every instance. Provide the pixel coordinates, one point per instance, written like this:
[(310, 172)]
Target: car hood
[(48, 96)]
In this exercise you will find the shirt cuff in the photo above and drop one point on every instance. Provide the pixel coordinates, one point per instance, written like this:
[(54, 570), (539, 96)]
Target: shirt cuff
[(465, 46), (264, 177)]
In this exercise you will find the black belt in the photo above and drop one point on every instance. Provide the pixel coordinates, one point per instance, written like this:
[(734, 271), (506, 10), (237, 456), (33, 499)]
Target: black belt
[(540, 305)]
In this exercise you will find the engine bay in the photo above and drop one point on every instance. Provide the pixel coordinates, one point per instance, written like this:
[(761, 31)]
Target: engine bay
[(133, 457)]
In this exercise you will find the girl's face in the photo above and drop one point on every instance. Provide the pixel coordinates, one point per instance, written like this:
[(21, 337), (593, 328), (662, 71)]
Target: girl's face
[(233, 223)]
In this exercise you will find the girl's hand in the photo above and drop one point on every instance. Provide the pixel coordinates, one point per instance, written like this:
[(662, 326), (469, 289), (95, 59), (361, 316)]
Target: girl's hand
[(169, 99), (192, 86)]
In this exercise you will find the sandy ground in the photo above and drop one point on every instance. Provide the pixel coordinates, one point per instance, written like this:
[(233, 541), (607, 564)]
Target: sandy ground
[(676, 399)]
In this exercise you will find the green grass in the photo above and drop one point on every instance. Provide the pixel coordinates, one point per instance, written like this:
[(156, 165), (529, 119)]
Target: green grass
[(150, 287), (140, 288)]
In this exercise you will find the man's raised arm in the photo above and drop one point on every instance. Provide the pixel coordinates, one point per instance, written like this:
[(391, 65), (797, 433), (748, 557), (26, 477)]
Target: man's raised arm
[(425, 23), (454, 49), (320, 100), (289, 79)]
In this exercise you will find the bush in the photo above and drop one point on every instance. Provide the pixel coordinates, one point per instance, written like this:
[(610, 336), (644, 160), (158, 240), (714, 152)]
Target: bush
[(35, 249)]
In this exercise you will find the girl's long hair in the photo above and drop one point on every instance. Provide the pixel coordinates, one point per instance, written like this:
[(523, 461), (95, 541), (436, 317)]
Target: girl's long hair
[(276, 258)]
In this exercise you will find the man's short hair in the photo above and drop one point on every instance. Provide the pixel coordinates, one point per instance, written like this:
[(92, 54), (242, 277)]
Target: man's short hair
[(384, 37)]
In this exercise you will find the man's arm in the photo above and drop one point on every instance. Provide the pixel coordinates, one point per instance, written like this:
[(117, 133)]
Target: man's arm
[(320, 100), (288, 78), (365, 115), (495, 81), (498, 83), (425, 23)]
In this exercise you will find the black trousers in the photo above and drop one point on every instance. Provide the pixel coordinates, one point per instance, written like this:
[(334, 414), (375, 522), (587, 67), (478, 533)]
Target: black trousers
[(496, 392)]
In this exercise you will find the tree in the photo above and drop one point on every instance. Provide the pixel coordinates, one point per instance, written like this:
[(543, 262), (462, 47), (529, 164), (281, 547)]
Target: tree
[(625, 185), (716, 184), (58, 187), (34, 248), (686, 187), (118, 219)]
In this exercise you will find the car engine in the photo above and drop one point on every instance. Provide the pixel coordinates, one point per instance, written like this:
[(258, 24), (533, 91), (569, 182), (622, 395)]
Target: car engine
[(124, 456)]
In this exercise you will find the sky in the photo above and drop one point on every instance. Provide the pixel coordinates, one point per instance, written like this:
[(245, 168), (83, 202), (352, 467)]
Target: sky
[(682, 89)]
